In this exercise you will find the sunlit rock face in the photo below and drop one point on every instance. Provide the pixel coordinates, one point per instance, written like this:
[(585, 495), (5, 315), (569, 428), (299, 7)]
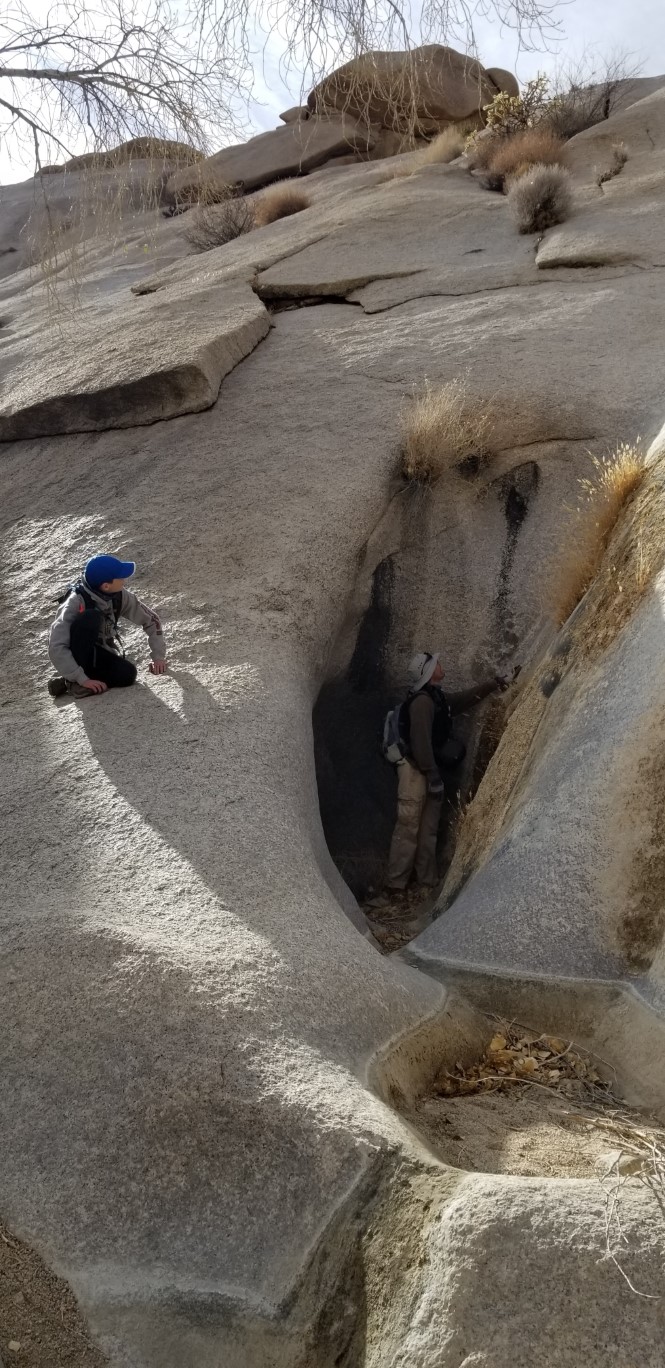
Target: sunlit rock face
[(205, 1057)]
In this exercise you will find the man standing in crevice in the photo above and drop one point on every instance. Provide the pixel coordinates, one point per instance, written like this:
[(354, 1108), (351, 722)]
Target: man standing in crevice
[(424, 723)]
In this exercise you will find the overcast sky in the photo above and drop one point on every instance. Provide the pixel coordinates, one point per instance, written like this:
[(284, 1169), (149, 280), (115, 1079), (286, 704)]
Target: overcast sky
[(591, 28), (595, 28)]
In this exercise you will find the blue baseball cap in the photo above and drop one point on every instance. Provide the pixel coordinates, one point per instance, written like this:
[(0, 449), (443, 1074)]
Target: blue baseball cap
[(102, 569)]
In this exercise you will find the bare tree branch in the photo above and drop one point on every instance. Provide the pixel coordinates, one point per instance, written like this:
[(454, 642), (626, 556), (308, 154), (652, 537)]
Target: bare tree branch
[(94, 76)]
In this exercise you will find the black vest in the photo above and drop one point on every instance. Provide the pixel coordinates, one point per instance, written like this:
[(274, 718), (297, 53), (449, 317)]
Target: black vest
[(443, 721)]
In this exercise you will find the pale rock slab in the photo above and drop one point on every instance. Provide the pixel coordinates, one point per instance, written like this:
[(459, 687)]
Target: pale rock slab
[(467, 245), (40, 218), (623, 219), (292, 150), (503, 1254), (155, 357)]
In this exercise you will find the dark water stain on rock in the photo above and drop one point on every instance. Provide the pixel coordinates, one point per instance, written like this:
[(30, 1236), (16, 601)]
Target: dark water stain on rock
[(367, 669), (357, 787), (516, 490)]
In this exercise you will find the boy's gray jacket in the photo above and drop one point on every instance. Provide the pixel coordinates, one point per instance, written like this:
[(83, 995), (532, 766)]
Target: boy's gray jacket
[(132, 609)]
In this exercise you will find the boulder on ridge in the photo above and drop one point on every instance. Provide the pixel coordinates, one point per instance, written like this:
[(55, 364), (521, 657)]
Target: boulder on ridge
[(504, 80), (135, 149), (431, 86)]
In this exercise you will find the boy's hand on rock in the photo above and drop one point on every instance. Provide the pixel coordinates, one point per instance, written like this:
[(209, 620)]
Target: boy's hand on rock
[(96, 686), (158, 666)]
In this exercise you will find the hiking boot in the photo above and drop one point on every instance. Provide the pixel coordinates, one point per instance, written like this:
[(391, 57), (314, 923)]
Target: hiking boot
[(379, 901), (57, 687)]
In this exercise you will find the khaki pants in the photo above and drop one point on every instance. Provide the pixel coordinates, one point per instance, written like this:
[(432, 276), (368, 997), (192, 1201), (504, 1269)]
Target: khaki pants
[(416, 830)]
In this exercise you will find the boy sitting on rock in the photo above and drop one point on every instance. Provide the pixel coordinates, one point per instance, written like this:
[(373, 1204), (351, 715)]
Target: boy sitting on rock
[(84, 644)]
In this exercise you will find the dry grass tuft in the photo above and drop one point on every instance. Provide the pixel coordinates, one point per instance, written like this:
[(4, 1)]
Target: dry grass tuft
[(576, 572), (532, 147), (564, 1102), (615, 480), (637, 556), (540, 198), (448, 145), (279, 202), (440, 427), (213, 225)]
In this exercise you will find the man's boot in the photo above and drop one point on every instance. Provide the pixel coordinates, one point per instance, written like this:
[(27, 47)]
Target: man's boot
[(57, 687)]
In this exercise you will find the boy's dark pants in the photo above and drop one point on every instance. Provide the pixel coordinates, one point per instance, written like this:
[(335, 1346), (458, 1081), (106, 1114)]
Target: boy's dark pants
[(97, 662)]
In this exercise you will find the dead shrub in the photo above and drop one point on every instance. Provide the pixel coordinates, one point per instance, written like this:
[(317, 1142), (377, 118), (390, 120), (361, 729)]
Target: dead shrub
[(540, 198), (279, 202), (614, 480), (212, 225), (441, 426), (447, 145), (517, 154), (619, 159), (583, 97)]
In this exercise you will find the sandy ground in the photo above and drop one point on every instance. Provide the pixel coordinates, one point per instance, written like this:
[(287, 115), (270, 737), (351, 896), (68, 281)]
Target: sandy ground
[(40, 1323), (520, 1131)]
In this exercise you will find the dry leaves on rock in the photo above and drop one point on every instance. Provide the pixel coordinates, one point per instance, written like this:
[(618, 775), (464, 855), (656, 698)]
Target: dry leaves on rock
[(517, 1056)]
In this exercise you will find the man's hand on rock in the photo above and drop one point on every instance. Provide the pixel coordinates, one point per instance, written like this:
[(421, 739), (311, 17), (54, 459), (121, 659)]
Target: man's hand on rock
[(95, 685), (504, 681), (158, 666)]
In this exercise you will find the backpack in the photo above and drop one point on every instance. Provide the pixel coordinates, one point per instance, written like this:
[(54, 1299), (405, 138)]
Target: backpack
[(397, 728), (76, 587), (393, 745)]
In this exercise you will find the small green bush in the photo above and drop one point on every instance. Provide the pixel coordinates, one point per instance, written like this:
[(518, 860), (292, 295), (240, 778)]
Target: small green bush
[(509, 114)]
